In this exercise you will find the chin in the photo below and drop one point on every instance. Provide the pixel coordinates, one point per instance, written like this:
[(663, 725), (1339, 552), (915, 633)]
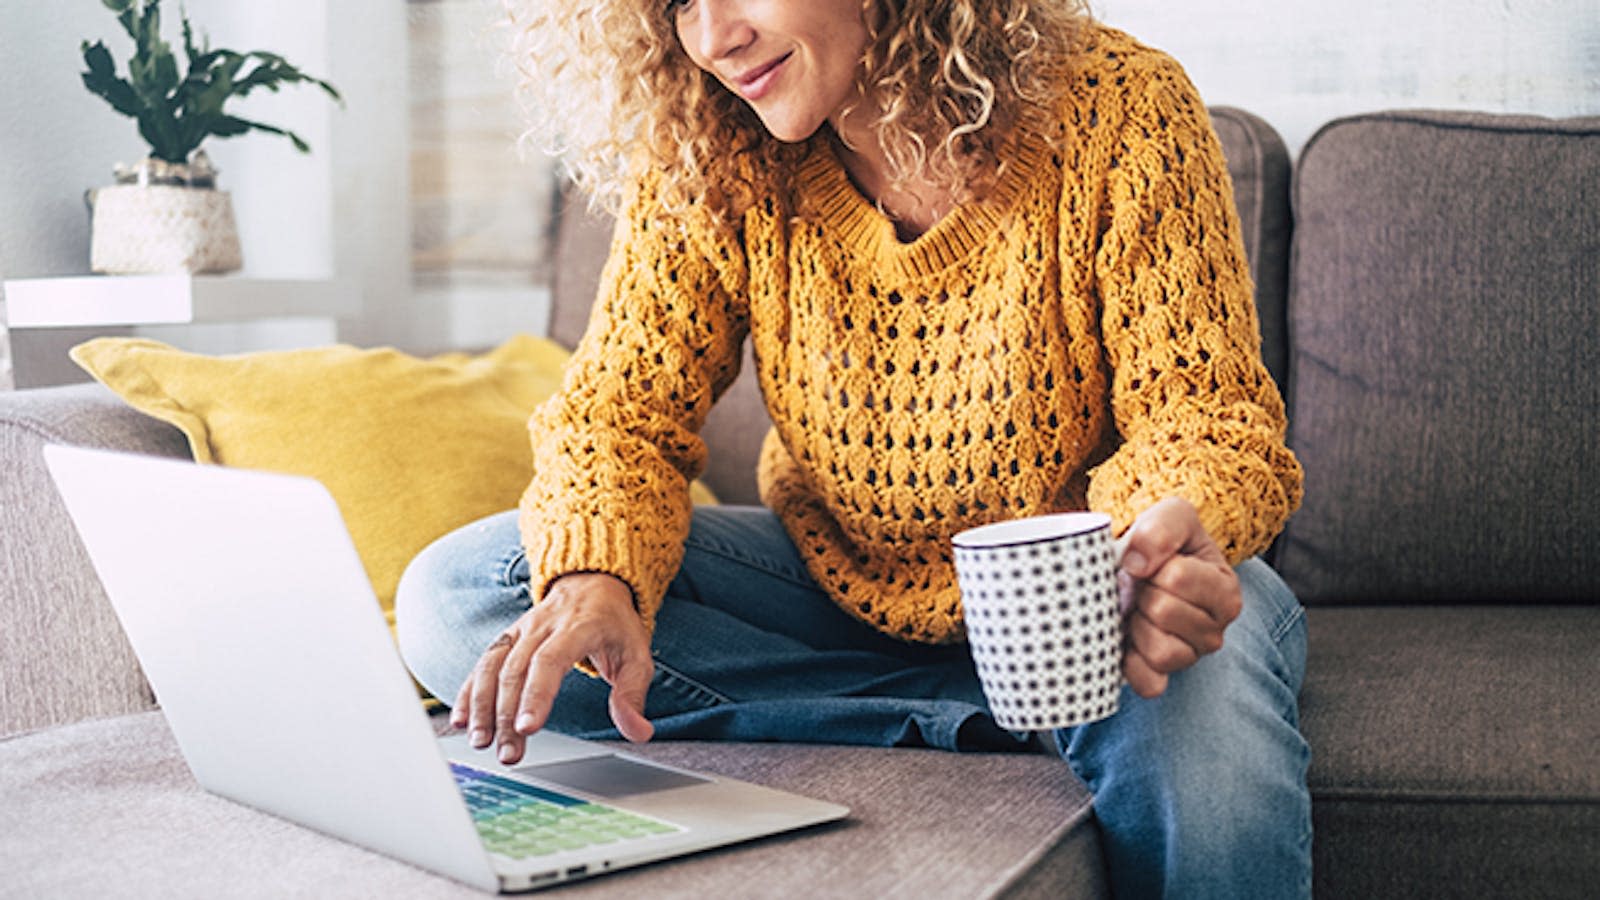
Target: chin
[(790, 131)]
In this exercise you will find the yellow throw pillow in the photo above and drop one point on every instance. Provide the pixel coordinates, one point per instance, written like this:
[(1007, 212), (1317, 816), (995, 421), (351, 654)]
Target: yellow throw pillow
[(410, 448)]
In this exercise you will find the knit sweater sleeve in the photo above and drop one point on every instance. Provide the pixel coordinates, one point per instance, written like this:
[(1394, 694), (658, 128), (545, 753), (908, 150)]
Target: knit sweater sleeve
[(615, 449), (1196, 412)]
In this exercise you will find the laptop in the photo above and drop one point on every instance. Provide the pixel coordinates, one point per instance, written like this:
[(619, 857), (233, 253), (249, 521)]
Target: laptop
[(244, 599)]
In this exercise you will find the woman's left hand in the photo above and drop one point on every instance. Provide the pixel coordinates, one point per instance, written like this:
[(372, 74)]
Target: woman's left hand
[(1183, 595)]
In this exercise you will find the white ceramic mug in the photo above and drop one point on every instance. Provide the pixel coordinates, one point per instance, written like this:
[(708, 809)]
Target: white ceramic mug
[(1043, 618)]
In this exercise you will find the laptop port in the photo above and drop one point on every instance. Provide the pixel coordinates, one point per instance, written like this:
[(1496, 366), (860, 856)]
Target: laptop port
[(577, 871)]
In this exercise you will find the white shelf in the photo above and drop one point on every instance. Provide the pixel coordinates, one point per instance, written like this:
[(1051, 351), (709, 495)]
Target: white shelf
[(177, 299)]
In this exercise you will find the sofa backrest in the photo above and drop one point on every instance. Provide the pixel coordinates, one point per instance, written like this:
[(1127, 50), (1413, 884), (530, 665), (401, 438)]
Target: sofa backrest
[(1444, 310), (1257, 163)]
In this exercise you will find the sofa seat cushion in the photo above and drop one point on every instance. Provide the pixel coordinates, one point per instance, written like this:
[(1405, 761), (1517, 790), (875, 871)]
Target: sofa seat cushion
[(1454, 746), (107, 806)]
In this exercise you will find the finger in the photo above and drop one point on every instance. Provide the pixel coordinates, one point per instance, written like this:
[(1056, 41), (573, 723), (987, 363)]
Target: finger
[(481, 715), (513, 675), (1127, 593), (1163, 531), (1212, 588), (1181, 619), (1142, 677), (458, 712), (630, 684), (1164, 652), (546, 670)]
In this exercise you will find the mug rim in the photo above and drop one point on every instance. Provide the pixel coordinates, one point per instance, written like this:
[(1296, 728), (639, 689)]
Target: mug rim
[(995, 535)]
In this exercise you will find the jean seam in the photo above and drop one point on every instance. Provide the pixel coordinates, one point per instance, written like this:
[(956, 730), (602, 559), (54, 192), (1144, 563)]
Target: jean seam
[(1281, 630), (508, 569), (671, 672)]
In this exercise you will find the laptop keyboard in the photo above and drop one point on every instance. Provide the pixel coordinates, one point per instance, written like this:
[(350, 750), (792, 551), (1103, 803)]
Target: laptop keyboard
[(519, 820)]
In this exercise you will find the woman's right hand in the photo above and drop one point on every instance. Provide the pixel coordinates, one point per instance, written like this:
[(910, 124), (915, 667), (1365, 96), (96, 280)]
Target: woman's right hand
[(585, 615)]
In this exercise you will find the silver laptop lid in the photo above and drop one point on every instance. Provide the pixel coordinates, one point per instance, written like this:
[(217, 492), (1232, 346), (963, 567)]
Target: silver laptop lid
[(259, 632)]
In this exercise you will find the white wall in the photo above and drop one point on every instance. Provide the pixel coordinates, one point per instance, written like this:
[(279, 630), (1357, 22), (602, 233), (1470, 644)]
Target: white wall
[(56, 139), (1299, 63), (340, 212)]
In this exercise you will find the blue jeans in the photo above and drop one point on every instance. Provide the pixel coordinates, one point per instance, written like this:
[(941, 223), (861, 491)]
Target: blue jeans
[(1199, 793)]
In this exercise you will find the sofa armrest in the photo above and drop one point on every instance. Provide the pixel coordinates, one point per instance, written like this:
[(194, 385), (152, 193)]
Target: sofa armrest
[(63, 656)]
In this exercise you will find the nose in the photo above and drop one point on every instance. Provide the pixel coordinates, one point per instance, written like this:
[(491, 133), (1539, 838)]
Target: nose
[(716, 28)]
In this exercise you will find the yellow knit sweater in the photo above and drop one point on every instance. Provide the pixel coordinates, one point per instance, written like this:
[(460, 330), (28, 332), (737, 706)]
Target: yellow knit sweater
[(1082, 337)]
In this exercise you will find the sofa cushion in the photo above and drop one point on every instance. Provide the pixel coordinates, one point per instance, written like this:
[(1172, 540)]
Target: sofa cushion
[(1455, 750), (1443, 394), (923, 824)]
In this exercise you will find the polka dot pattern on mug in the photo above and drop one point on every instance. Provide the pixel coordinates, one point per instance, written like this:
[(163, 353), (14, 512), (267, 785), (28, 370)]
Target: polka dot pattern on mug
[(1044, 623)]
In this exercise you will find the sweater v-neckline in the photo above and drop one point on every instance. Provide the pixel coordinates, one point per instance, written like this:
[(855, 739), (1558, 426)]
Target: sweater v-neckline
[(858, 222)]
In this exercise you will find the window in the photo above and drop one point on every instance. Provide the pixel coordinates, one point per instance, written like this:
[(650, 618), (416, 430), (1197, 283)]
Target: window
[(481, 234)]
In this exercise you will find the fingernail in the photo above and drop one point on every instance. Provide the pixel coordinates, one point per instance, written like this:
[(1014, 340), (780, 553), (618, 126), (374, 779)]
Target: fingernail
[(525, 722), (1124, 592), (480, 738), (507, 753), (1134, 562)]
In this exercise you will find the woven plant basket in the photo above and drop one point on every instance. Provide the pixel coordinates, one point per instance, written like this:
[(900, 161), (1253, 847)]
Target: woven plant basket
[(146, 228)]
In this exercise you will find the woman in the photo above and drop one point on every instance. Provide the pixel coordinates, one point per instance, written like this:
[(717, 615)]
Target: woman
[(987, 257)]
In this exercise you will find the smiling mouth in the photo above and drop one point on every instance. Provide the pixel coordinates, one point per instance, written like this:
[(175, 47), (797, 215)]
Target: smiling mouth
[(754, 83)]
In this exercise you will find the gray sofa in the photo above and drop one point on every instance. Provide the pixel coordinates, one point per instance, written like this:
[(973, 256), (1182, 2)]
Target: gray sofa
[(1431, 307)]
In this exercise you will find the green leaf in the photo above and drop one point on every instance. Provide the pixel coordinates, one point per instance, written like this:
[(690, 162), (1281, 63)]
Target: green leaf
[(98, 59), (229, 126), (102, 81), (209, 100), (274, 70), (166, 70), (149, 80), (178, 108), (190, 51), (162, 134), (129, 23), (150, 26), (248, 125)]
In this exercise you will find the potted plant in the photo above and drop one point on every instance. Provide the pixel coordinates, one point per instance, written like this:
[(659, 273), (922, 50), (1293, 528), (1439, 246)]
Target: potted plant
[(165, 213)]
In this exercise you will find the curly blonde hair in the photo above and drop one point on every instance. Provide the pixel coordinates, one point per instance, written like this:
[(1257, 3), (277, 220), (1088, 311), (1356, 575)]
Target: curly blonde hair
[(606, 85)]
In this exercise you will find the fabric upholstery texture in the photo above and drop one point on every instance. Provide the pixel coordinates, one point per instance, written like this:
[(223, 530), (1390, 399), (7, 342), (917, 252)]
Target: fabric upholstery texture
[(1443, 401), (1455, 850), (924, 824), (1488, 703), (65, 655), (1456, 751)]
